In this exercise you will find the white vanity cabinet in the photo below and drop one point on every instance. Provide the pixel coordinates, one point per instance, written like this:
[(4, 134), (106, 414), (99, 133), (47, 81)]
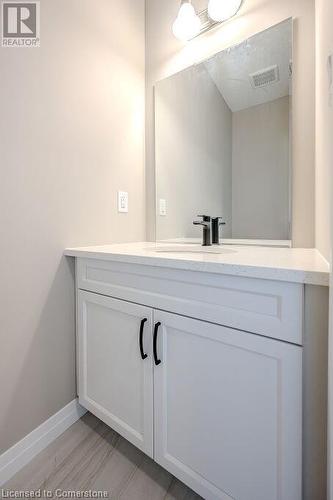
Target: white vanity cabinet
[(227, 410), (218, 407), (115, 383)]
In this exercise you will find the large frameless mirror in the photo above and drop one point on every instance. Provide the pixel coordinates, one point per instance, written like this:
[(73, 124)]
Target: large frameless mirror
[(223, 143)]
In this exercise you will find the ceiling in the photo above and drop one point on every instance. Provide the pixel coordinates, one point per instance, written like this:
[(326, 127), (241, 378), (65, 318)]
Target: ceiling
[(231, 68)]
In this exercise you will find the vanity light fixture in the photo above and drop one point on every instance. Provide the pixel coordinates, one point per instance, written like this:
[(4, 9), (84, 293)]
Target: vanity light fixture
[(190, 24), (221, 10)]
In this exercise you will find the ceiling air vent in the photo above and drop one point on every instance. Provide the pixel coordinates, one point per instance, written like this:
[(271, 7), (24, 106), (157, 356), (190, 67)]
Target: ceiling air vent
[(265, 77)]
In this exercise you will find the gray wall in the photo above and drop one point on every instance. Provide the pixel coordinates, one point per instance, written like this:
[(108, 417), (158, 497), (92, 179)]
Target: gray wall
[(71, 134), (165, 55), (260, 171), (193, 152)]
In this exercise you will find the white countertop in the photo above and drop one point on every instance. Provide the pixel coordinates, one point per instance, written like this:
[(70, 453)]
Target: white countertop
[(298, 265)]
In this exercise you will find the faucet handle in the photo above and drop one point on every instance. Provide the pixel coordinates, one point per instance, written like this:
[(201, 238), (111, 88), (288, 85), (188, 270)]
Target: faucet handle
[(205, 218), (217, 221)]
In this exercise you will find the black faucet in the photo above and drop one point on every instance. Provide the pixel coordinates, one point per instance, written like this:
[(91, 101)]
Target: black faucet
[(206, 223), (216, 223)]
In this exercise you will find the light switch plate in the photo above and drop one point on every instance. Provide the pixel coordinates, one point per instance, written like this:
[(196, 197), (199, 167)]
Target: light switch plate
[(122, 201), (163, 207)]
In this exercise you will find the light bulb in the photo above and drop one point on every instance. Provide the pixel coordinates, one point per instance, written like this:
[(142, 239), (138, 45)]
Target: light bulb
[(221, 10), (187, 25)]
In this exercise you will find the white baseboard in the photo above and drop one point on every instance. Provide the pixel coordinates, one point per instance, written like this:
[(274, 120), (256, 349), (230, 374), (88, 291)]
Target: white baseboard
[(25, 450)]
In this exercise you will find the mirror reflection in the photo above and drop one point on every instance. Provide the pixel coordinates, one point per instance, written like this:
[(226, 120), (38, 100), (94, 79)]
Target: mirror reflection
[(223, 142)]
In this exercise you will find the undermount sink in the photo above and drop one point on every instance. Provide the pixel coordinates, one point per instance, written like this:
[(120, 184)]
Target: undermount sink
[(193, 249)]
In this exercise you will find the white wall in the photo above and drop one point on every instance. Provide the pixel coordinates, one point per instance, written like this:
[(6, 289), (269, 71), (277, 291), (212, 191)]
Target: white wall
[(71, 134), (324, 131), (193, 153), (165, 56), (260, 171), (324, 175)]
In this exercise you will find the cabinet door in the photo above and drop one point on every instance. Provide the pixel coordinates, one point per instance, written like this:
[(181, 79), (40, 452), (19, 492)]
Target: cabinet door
[(228, 410), (115, 383)]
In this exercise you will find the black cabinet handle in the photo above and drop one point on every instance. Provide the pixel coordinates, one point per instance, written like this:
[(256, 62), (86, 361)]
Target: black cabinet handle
[(142, 352), (157, 361)]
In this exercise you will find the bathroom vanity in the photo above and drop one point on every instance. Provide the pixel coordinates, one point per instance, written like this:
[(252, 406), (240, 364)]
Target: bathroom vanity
[(200, 360), (213, 360)]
